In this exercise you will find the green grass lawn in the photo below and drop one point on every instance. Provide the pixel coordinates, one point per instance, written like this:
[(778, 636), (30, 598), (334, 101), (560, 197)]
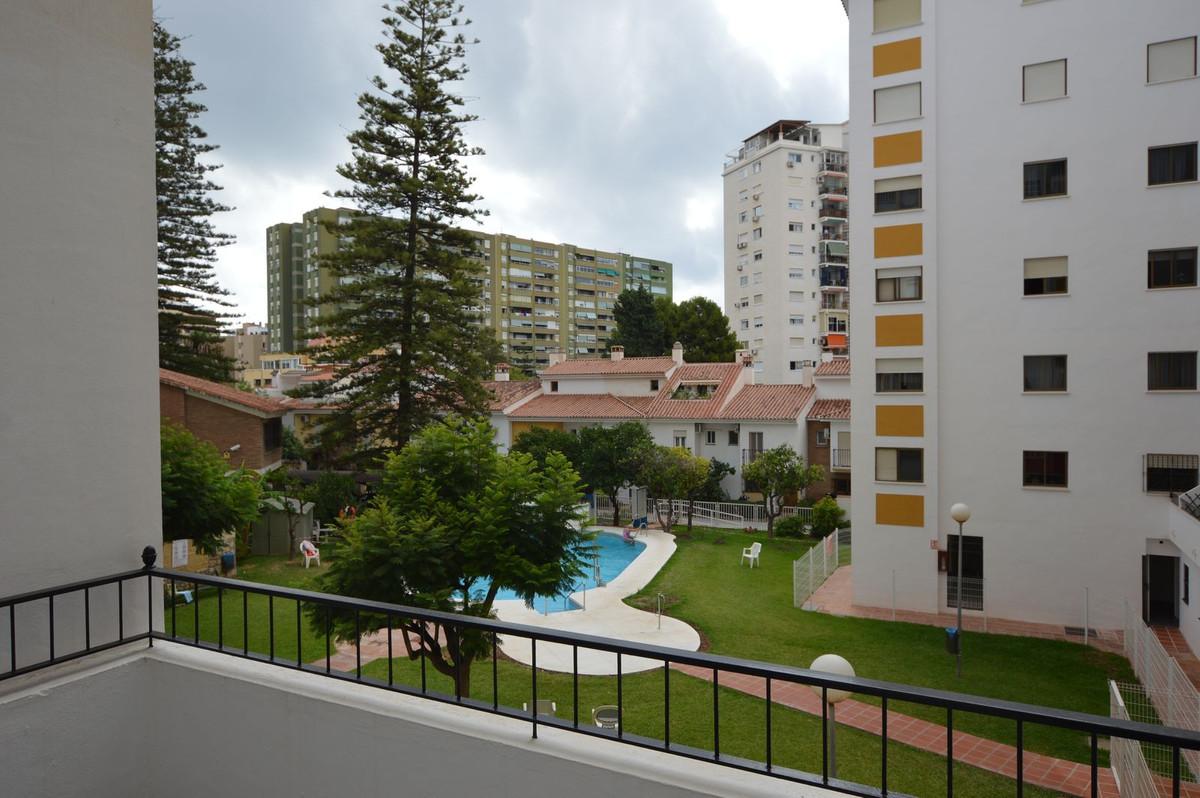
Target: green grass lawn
[(748, 613)]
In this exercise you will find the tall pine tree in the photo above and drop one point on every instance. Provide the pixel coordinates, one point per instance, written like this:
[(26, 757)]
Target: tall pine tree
[(192, 307), (400, 313)]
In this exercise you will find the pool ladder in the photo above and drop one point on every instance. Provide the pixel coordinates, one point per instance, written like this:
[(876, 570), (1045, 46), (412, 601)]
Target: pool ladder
[(658, 612)]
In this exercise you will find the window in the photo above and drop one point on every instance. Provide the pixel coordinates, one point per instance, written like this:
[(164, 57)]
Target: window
[(822, 436), (898, 285), (743, 280), (1045, 372), (795, 204), (745, 324), (795, 274), (710, 437), (1171, 268), (898, 194), (795, 296), (553, 386), (970, 590), (892, 14), (1171, 60), (1044, 469), (733, 437), (1175, 163), (1044, 81), (756, 442), (795, 227), (1045, 276), (758, 278), (1171, 371), (758, 299), (272, 434), (1171, 473), (1046, 179), (898, 102), (744, 193), (680, 438), (654, 385), (758, 255), (899, 375), (757, 167), (899, 465), (756, 234), (758, 211), (795, 321), (758, 322), (742, 216)]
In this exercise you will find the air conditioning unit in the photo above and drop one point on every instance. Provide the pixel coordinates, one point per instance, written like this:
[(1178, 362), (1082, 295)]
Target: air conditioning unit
[(742, 245), (740, 267), (791, 165), (824, 341), (756, 196)]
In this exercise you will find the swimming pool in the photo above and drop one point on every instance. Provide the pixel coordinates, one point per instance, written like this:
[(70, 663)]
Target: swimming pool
[(613, 554)]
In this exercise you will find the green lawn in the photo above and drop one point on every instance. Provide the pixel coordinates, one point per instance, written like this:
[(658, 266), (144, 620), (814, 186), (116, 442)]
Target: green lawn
[(748, 613)]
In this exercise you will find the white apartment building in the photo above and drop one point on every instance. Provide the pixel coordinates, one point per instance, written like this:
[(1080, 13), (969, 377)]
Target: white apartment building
[(1026, 307), (786, 246)]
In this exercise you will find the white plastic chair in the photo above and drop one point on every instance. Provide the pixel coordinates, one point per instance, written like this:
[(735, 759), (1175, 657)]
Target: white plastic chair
[(751, 554), (310, 553), (544, 707)]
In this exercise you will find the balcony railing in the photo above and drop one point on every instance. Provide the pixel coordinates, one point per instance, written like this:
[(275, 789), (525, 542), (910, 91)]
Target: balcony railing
[(840, 458), (146, 585)]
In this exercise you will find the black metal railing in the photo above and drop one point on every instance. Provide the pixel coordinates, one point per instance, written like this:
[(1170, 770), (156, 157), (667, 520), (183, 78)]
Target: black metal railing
[(1094, 727)]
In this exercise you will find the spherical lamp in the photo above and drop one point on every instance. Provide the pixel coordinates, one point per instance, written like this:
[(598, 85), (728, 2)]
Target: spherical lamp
[(960, 512), (837, 665)]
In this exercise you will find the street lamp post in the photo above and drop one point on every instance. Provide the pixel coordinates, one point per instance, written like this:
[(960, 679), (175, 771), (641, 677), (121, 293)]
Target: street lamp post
[(961, 513), (832, 663)]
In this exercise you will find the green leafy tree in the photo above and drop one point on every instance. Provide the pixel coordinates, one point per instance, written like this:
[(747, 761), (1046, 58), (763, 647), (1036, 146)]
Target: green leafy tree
[(455, 523), (332, 493), (293, 447), (776, 473), (288, 494), (611, 458), (827, 515), (671, 473), (399, 315), (202, 498), (638, 326), (539, 442), (192, 308), (704, 331), (710, 489)]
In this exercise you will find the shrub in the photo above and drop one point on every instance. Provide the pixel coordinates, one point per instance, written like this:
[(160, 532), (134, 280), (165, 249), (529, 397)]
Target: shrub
[(827, 516), (791, 526)]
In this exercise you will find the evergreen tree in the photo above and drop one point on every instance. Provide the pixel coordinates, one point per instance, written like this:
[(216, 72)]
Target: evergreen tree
[(704, 331), (192, 307), (639, 328), (400, 312)]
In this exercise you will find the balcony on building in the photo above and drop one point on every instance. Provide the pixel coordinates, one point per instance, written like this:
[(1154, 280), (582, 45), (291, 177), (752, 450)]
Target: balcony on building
[(834, 276), (839, 459), (799, 131)]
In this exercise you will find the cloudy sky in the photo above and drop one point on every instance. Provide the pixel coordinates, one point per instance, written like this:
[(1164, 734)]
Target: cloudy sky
[(605, 122)]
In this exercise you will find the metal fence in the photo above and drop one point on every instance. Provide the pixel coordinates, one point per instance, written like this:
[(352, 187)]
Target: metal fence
[(1126, 757), (810, 571), (1167, 694), (972, 592), (735, 515)]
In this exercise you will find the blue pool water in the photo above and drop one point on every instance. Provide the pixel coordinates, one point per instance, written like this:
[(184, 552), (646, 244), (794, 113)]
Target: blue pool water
[(613, 554)]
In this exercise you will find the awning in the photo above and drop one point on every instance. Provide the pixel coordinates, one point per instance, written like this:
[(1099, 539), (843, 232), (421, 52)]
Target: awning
[(837, 248), (836, 340)]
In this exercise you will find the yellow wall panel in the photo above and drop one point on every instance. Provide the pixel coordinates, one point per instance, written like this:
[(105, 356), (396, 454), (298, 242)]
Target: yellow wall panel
[(898, 148), (898, 240), (519, 427), (898, 56), (899, 510), (905, 330), (901, 420)]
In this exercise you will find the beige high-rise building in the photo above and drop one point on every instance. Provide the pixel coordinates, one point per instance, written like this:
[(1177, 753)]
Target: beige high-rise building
[(786, 247), (245, 346)]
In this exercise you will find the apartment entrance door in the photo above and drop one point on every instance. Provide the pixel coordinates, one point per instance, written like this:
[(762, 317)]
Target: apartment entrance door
[(1160, 590)]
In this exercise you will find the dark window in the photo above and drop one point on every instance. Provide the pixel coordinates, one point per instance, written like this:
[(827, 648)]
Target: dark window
[(1187, 585), (1171, 371), (1036, 286), (897, 289), (899, 465), (733, 437), (1173, 164), (654, 385), (1171, 268), (903, 382), (1045, 179), (841, 486), (1045, 372), (1045, 469), (272, 434), (972, 572), (1172, 473), (904, 200), (553, 386)]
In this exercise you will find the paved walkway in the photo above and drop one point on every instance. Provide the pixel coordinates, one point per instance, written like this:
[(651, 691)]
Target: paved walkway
[(835, 597), (1173, 641), (1064, 776)]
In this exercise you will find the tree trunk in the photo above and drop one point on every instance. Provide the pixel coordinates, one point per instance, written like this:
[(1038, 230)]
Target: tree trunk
[(690, 503), (768, 506), (612, 497), (463, 680)]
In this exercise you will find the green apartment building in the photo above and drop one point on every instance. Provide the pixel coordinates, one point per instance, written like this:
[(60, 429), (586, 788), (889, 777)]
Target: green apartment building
[(538, 297)]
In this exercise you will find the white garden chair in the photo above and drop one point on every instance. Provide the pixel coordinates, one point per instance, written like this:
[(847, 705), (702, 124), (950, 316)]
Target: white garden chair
[(544, 707), (310, 553), (751, 554)]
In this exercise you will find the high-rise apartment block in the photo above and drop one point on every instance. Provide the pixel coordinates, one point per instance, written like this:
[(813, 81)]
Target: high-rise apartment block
[(538, 296), (786, 247), (245, 346), (1026, 309)]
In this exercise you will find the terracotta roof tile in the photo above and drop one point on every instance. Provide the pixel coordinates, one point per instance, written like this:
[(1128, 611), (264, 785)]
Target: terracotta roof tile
[(724, 374), (215, 390), (838, 367), (505, 393), (830, 410), (626, 365), (581, 405), (769, 402)]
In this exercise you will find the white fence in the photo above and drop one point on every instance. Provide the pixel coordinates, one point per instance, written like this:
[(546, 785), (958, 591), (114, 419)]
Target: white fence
[(810, 571), (734, 515), (1127, 757)]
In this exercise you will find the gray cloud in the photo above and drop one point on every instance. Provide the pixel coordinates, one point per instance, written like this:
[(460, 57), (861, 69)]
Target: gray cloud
[(605, 122)]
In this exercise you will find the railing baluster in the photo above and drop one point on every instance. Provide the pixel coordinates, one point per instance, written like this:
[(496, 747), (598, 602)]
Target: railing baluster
[(271, 626), (458, 663), (299, 636), (1175, 772), (533, 670), (667, 704), (87, 619), (149, 607), (391, 675), (1020, 758), (121, 610), (495, 676), (1095, 766), (12, 637), (824, 734), (328, 630), (174, 595), (949, 752), (575, 685), (245, 623), (196, 614), (884, 742), (768, 724), (620, 701), (357, 646), (716, 716), (424, 651), (52, 627), (220, 620)]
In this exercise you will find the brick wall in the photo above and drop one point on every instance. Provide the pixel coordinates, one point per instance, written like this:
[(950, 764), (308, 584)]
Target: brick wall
[(818, 455), (220, 425)]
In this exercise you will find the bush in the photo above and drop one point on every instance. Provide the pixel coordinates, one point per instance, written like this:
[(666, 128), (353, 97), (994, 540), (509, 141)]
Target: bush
[(791, 526), (827, 516)]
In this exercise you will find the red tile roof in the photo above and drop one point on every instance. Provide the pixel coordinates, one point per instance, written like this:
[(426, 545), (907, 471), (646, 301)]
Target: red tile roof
[(838, 367), (724, 374), (604, 366), (225, 393), (505, 393), (582, 405), (769, 402), (830, 410)]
